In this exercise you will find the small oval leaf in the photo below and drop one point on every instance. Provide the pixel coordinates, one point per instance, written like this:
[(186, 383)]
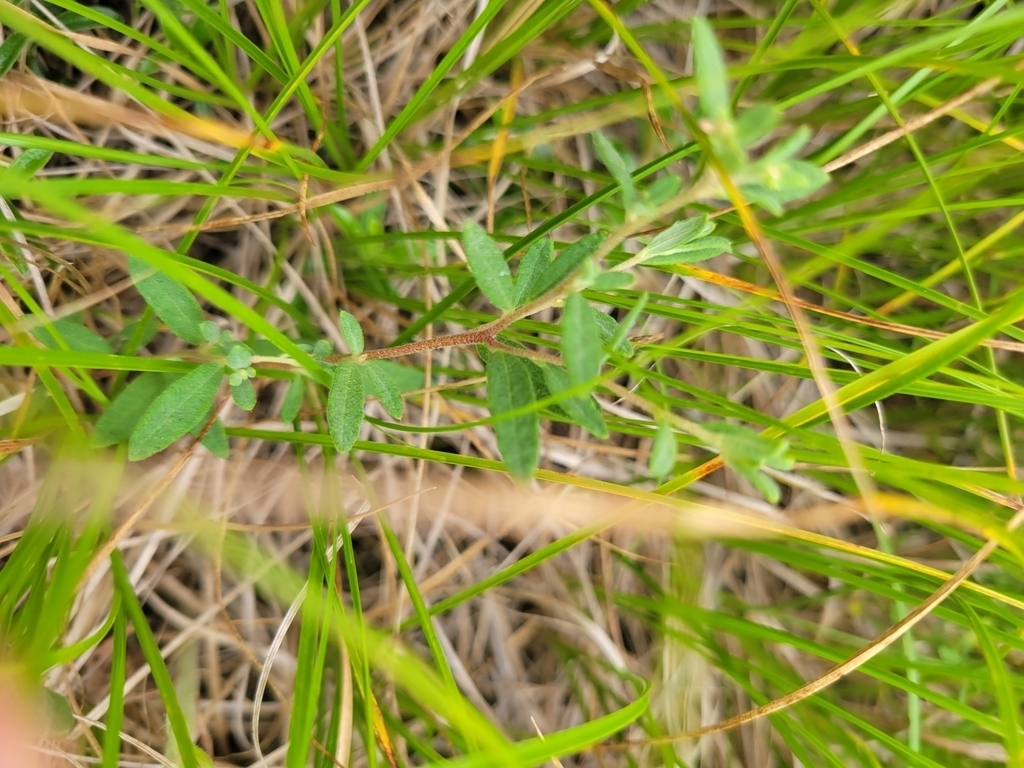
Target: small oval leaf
[(509, 388), (351, 332), (345, 405), (172, 302), (386, 388), (488, 265), (531, 267), (663, 452), (567, 262), (177, 410), (121, 417), (244, 395)]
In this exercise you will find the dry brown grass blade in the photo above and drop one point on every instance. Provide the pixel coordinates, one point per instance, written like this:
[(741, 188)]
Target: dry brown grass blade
[(26, 96), (911, 125), (508, 112), (11, 446), (909, 330)]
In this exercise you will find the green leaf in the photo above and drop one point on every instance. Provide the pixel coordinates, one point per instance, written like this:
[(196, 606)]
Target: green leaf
[(698, 250), (244, 395), (663, 451), (406, 377), (685, 242), (57, 713), (581, 410), (531, 267), (10, 51), (488, 265), (322, 349), (216, 439), (619, 340), (75, 335), (581, 340), (121, 417), (661, 190), (612, 281), (172, 302), (616, 166), (712, 79), (608, 331), (210, 331), (678, 234), (386, 389), (787, 147), (239, 357), (351, 332), (345, 405), (509, 388), (31, 161), (755, 123), (177, 410), (567, 262), (292, 400), (746, 452)]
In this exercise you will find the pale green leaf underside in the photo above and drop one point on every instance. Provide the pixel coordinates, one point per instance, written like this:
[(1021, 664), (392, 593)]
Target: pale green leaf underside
[(345, 405), (509, 388), (488, 265)]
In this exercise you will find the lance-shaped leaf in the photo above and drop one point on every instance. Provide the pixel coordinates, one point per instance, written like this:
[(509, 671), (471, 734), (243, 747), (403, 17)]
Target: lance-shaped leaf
[(697, 250), (567, 262), (123, 414), (173, 303), (178, 410), (616, 166), (663, 451), (685, 242), (292, 400), (385, 387), (608, 330), (678, 234), (531, 267), (31, 161), (709, 63), (345, 405), (581, 340), (509, 388), (488, 265), (581, 410), (351, 332), (75, 335)]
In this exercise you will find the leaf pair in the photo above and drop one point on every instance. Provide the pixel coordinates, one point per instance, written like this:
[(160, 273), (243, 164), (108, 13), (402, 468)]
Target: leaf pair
[(352, 378), (537, 274), (154, 414), (685, 242)]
